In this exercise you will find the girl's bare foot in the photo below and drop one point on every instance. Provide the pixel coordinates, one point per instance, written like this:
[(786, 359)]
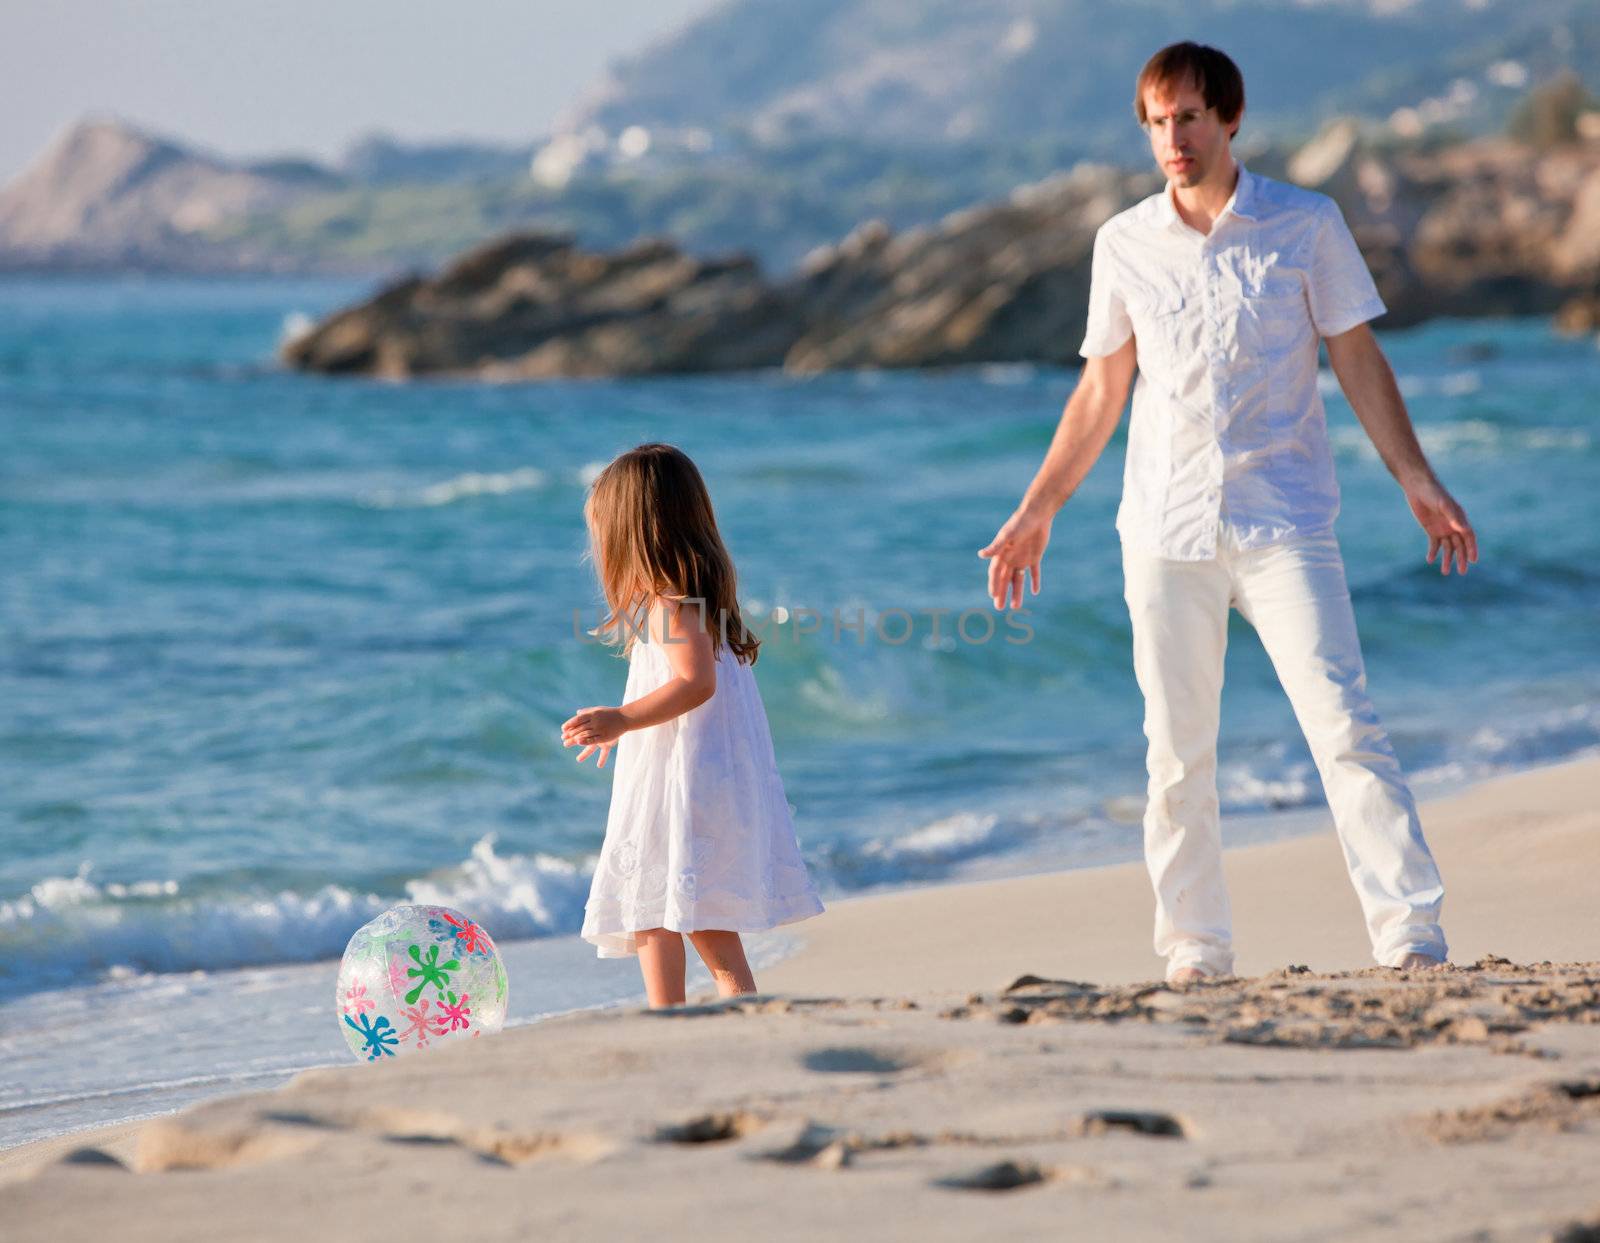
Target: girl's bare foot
[(1188, 975)]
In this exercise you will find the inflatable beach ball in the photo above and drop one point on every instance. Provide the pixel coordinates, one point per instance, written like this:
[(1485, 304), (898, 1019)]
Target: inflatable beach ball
[(416, 977)]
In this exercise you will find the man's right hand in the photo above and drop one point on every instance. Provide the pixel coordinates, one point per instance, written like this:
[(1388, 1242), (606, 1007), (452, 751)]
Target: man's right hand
[(1086, 425), (1017, 548)]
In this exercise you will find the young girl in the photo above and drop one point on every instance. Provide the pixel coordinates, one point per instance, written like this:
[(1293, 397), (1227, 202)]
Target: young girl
[(699, 839)]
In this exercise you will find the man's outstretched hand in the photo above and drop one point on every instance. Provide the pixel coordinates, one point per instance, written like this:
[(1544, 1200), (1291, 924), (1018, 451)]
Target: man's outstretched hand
[(1016, 549), (1450, 535)]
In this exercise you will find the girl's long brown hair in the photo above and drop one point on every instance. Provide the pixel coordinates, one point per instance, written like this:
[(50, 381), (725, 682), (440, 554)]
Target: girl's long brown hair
[(652, 532)]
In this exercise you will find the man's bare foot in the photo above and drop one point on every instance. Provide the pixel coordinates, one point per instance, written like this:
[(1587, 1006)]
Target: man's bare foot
[(1188, 975), (1419, 962)]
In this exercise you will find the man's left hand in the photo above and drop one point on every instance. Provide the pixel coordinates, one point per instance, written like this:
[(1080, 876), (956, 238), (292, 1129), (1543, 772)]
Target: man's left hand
[(1450, 535)]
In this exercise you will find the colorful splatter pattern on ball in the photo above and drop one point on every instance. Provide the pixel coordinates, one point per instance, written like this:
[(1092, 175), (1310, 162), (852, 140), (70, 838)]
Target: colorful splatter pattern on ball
[(417, 977)]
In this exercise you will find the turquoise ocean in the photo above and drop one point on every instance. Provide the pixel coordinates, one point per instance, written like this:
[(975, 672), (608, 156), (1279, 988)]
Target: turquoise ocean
[(278, 652)]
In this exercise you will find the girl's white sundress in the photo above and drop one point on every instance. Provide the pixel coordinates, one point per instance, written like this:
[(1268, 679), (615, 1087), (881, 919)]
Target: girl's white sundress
[(699, 835)]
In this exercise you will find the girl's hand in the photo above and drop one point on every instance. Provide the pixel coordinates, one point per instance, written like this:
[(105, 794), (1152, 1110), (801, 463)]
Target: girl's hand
[(593, 729)]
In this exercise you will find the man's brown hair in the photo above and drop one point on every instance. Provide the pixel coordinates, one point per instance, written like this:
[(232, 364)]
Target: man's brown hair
[(1212, 71)]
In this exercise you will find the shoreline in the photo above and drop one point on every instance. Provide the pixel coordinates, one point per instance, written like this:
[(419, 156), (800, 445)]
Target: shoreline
[(1315, 921), (1524, 895)]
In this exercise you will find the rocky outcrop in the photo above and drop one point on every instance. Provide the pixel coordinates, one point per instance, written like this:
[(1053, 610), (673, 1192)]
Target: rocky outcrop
[(1006, 282), (1488, 228), (534, 305), (1484, 228)]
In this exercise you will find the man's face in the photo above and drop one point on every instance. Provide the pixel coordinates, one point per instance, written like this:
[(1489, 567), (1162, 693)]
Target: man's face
[(1188, 139)]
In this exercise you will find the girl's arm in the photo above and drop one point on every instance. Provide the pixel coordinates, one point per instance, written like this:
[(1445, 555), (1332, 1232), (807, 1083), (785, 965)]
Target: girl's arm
[(688, 648), (681, 631)]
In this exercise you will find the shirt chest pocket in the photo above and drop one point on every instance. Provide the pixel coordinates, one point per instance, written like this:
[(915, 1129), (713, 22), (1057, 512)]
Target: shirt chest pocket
[(1158, 320), (1276, 309)]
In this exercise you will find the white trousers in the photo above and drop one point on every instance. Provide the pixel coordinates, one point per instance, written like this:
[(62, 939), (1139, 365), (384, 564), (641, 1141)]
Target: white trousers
[(1295, 595)]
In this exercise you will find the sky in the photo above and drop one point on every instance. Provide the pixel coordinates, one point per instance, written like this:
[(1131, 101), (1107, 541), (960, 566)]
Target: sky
[(306, 77)]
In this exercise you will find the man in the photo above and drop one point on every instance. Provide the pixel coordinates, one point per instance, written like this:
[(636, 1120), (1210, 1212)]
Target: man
[(1217, 289)]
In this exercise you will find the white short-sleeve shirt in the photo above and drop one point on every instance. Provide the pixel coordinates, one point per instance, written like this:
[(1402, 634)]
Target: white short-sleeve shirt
[(1228, 428)]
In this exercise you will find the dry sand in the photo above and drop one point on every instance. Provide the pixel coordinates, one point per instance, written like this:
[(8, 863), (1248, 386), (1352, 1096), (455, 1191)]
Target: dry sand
[(967, 1060)]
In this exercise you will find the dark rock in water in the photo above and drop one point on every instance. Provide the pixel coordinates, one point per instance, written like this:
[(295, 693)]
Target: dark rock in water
[(1484, 228), (533, 305), (1005, 282), (1000, 283)]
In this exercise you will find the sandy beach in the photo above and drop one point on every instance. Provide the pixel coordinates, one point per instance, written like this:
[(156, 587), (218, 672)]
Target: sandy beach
[(966, 1060)]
